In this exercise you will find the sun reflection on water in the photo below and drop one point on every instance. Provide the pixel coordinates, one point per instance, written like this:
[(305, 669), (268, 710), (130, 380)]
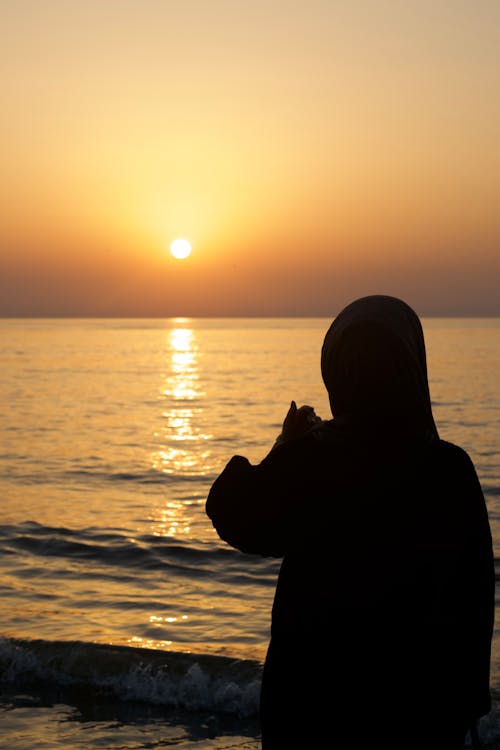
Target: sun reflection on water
[(139, 642), (172, 519), (182, 443), (182, 384), (182, 451)]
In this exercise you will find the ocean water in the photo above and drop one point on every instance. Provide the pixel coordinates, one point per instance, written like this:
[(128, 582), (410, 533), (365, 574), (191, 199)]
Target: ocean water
[(124, 621)]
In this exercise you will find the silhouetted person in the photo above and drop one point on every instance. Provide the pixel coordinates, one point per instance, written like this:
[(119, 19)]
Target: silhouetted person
[(383, 613)]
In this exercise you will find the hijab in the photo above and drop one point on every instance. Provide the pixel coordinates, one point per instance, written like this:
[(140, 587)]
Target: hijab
[(373, 364)]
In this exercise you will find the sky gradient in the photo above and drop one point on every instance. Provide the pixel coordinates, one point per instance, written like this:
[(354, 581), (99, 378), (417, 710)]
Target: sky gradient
[(312, 152)]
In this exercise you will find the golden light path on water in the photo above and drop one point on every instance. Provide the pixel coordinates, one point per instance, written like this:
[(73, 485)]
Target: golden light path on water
[(183, 449), (182, 453)]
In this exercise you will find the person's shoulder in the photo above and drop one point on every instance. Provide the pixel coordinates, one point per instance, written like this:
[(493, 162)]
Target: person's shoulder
[(452, 450), (455, 455)]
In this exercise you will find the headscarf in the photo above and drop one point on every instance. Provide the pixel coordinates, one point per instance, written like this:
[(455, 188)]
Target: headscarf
[(373, 364)]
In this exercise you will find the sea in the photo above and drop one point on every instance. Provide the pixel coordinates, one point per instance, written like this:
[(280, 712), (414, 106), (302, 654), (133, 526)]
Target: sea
[(125, 622)]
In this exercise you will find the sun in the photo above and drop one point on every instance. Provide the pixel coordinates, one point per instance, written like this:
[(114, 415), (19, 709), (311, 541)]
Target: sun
[(180, 248)]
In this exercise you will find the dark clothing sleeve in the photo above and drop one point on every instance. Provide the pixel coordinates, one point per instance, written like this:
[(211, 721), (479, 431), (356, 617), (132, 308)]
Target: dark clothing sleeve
[(252, 507)]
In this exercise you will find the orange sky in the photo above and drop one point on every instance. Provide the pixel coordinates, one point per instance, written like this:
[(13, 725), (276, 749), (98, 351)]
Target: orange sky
[(311, 151)]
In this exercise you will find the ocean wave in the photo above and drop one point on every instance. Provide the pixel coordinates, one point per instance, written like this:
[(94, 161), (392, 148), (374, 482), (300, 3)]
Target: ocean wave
[(52, 474), (152, 476), (145, 552), (195, 682)]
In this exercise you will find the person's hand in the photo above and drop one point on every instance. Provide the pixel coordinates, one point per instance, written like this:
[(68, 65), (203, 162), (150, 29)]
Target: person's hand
[(298, 421)]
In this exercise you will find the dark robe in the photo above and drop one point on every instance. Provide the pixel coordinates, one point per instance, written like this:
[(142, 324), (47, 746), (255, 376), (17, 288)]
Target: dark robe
[(383, 614)]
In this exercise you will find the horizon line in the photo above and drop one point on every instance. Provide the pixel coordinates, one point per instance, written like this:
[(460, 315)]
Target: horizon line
[(478, 316)]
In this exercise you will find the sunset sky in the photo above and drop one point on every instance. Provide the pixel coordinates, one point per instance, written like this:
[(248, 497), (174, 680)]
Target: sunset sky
[(311, 152)]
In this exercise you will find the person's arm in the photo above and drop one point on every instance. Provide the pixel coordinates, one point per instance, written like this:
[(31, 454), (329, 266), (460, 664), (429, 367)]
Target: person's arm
[(251, 506)]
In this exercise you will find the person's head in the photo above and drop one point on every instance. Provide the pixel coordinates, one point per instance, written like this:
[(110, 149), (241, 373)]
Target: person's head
[(373, 364)]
